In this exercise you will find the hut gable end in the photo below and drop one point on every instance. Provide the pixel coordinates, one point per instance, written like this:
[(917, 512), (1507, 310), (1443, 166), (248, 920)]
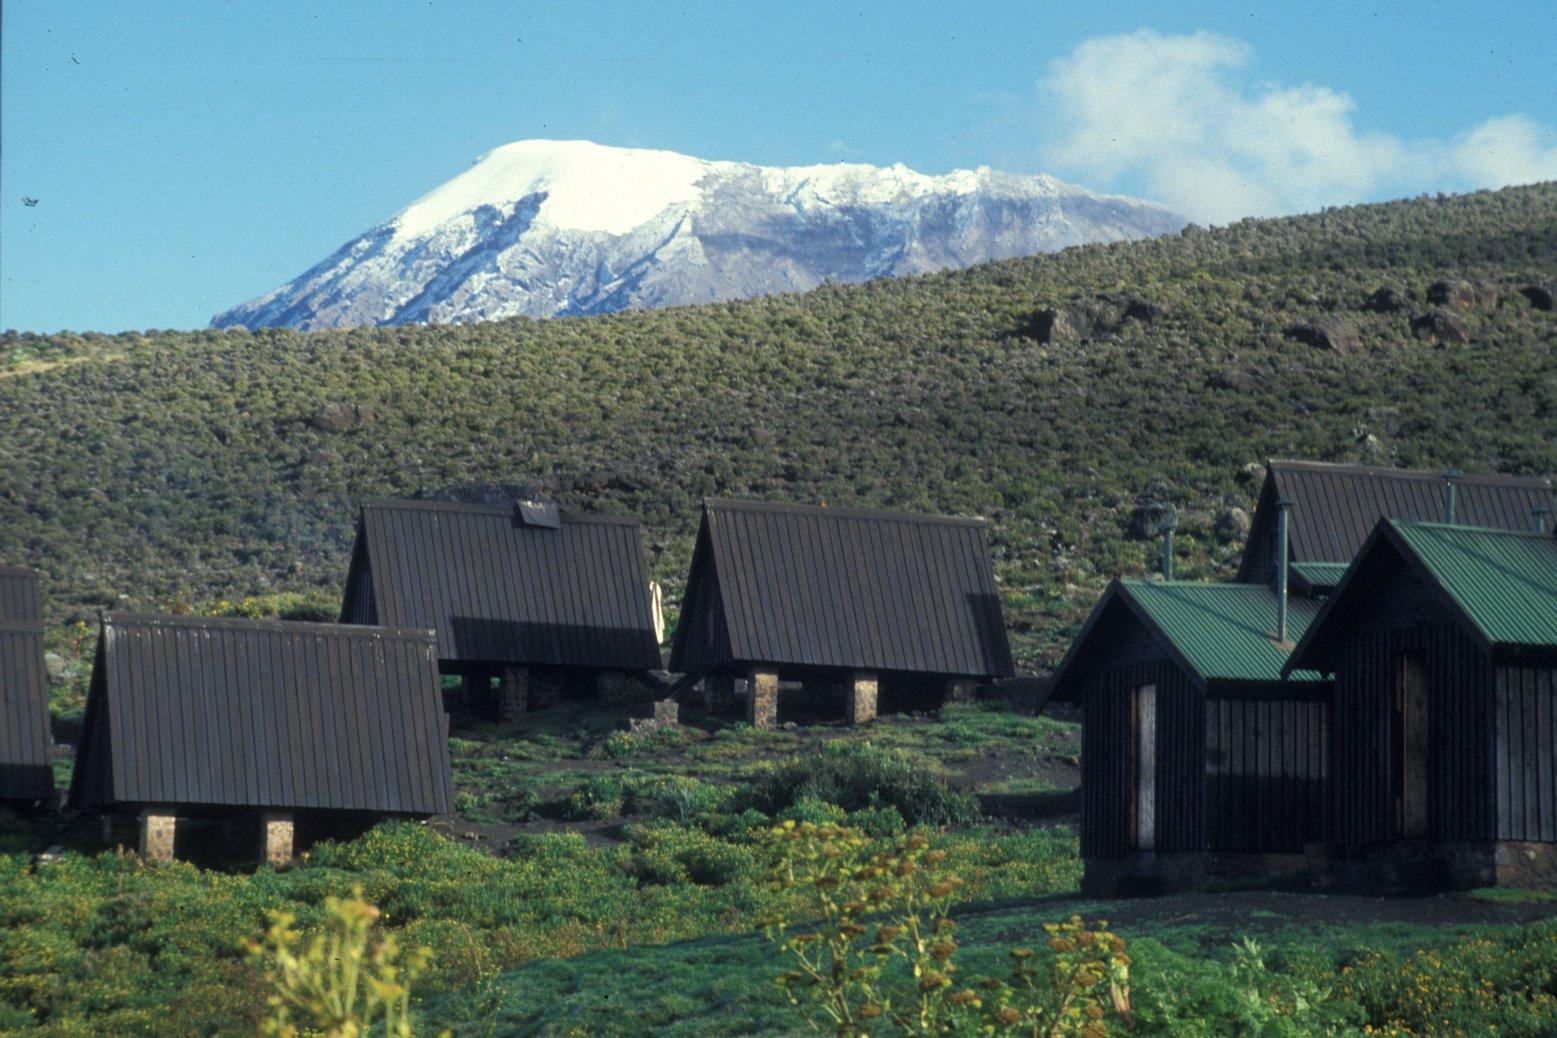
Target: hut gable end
[(1335, 507), (519, 584), (263, 714), (831, 588)]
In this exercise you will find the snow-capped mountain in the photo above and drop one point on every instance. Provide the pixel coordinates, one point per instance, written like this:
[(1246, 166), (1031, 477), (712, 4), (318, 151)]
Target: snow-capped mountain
[(552, 228)]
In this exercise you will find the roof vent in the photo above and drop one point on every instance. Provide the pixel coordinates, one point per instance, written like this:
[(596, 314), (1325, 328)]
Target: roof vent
[(1448, 494), (1539, 514), (543, 514)]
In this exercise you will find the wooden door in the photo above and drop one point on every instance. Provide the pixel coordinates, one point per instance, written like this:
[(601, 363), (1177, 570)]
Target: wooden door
[(1144, 732), (1411, 745)]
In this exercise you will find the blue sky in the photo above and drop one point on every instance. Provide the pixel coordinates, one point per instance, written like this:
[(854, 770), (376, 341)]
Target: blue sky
[(186, 157)]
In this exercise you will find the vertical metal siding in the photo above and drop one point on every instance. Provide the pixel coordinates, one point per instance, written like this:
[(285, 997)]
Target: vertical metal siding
[(496, 591), (26, 748), (21, 597), (1335, 507), (264, 714), (815, 587), (1266, 774), (1107, 753), (1525, 755), (1462, 792)]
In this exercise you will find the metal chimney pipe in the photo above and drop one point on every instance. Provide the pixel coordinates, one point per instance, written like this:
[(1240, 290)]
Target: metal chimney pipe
[(1167, 552), (1448, 494), (1283, 506)]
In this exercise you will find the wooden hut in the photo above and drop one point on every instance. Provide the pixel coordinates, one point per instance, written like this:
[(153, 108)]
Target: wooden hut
[(883, 603), (295, 730), (26, 748), (1443, 644), (1335, 507), (1197, 759), (540, 598)]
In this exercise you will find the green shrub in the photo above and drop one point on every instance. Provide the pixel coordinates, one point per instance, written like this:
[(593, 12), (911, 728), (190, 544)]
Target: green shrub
[(600, 797), (858, 776)]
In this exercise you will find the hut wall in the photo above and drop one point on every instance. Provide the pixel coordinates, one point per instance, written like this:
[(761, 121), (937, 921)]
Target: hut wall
[(1106, 751), (1526, 753), (1401, 619), (1267, 773)]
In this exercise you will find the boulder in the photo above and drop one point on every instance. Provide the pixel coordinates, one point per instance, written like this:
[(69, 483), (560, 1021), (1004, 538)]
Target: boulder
[(1386, 300), (1141, 310), (1439, 328), (1232, 524), (56, 667), (1327, 332), (1461, 295), (1540, 296), (1252, 474), (334, 418), (1076, 322)]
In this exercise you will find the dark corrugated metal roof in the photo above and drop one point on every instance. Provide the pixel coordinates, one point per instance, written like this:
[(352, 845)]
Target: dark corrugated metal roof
[(796, 586), (20, 595), (1335, 507), (498, 588), (253, 713), (26, 768), (1217, 631)]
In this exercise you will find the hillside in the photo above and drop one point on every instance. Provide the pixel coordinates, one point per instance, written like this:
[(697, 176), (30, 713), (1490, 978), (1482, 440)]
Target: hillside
[(552, 228), (167, 468)]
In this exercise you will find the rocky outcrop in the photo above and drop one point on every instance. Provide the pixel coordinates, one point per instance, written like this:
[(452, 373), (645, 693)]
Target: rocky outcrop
[(1084, 319), (1386, 300), (1461, 295), (1540, 296), (1327, 332), (334, 418), (1439, 328)]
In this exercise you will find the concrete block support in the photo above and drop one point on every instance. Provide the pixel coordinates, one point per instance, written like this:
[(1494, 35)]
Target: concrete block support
[(158, 828), (667, 712), (718, 693), (762, 707), (278, 832), (863, 691), (513, 694), (961, 690)]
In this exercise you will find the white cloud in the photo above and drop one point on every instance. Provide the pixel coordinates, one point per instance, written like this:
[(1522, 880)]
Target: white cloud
[(1180, 117)]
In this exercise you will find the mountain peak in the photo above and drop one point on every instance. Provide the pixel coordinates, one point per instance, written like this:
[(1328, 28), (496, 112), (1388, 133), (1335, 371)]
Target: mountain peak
[(546, 228), (590, 187)]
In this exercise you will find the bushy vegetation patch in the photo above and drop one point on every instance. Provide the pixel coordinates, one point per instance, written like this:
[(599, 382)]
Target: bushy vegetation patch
[(859, 776)]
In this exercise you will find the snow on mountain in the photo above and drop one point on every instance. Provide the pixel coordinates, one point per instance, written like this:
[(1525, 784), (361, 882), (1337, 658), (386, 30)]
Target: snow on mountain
[(554, 228)]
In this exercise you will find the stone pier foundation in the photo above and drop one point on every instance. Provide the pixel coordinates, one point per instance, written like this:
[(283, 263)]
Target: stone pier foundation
[(762, 707), (157, 831), (513, 694), (278, 833), (863, 690)]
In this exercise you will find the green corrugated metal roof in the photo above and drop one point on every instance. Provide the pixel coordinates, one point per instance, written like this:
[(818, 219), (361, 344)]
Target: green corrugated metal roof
[(1321, 574), (1224, 630), (1506, 583)]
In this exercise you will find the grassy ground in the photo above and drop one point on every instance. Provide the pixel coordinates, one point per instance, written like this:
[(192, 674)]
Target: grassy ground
[(518, 777), (725, 986), (596, 882)]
